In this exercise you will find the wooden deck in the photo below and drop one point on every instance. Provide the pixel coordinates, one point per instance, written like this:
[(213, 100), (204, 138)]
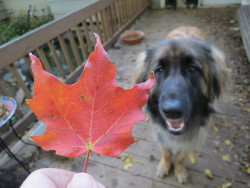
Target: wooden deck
[(231, 124)]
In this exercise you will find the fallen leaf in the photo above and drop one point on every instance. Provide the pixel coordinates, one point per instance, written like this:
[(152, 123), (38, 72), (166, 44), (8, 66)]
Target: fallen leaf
[(128, 159), (226, 185), (93, 114), (232, 21), (228, 142), (246, 110), (192, 159), (232, 98), (128, 165), (31, 164), (248, 170), (227, 158), (216, 129), (208, 173), (234, 28)]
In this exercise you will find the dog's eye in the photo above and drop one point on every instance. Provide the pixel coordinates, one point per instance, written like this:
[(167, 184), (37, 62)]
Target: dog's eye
[(158, 70), (192, 69)]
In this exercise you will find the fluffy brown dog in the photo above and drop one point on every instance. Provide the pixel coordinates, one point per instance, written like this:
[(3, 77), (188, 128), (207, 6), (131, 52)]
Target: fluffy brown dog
[(190, 74)]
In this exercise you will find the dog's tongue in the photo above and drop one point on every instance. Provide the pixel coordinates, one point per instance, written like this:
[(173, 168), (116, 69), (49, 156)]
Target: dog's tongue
[(175, 123)]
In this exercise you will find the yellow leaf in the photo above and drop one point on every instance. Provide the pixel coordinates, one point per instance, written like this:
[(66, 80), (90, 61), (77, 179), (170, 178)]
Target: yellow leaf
[(226, 185), (248, 170), (216, 129), (227, 158), (232, 21), (32, 164), (192, 159), (128, 165), (208, 173), (228, 142), (247, 110), (128, 159), (232, 98)]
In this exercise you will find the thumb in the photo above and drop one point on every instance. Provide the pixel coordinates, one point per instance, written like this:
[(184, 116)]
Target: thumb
[(81, 180)]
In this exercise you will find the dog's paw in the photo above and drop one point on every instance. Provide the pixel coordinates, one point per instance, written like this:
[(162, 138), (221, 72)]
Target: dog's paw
[(182, 177), (162, 171)]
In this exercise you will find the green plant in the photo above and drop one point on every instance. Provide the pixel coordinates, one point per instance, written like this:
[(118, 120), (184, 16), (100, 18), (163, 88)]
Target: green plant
[(34, 23), (20, 25)]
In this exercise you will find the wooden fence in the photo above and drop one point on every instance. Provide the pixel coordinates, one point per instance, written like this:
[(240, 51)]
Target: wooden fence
[(63, 45)]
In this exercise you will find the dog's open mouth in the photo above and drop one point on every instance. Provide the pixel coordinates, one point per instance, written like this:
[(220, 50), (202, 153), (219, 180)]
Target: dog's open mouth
[(175, 126)]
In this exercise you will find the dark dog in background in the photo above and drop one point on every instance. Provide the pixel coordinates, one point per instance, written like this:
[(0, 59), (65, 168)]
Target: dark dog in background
[(190, 75)]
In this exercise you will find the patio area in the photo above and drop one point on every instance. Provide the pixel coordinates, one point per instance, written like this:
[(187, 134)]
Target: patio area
[(226, 152)]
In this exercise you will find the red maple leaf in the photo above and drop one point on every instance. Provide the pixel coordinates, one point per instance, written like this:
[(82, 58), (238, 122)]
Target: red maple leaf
[(94, 114)]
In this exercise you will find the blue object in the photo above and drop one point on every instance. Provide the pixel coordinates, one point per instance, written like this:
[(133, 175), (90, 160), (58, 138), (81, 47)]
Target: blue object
[(11, 105)]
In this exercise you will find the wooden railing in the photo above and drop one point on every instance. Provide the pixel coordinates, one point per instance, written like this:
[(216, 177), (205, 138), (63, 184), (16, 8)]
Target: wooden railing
[(63, 45)]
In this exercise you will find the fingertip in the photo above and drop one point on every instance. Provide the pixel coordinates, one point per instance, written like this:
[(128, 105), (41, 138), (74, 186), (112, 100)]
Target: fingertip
[(81, 180), (84, 180)]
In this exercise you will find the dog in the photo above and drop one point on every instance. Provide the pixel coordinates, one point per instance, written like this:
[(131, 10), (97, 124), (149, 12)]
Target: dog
[(190, 76)]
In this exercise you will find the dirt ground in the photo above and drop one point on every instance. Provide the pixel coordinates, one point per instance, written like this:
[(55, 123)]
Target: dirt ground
[(227, 151)]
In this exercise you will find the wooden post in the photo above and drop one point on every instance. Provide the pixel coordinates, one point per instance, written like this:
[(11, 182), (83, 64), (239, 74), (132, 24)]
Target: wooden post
[(56, 59), (82, 44), (20, 81), (65, 53), (98, 26), (86, 34), (27, 63), (74, 47), (44, 60), (105, 24)]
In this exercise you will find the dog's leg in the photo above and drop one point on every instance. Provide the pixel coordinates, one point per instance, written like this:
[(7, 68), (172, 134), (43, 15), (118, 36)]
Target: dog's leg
[(165, 163), (179, 167)]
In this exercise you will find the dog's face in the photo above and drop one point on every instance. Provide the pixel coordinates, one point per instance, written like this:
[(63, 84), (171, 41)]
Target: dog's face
[(187, 81)]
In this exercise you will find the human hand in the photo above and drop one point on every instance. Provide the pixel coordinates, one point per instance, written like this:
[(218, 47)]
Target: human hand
[(58, 178)]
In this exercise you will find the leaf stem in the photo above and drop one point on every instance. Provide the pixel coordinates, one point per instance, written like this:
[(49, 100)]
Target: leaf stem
[(86, 161)]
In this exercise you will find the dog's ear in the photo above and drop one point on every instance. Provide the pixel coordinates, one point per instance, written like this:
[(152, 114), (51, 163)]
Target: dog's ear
[(218, 73), (143, 67)]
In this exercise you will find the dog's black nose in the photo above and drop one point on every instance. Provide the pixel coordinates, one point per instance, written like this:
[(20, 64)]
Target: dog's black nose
[(172, 109)]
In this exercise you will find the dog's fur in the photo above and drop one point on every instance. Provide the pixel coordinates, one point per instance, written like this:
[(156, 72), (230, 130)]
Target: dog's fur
[(190, 75)]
